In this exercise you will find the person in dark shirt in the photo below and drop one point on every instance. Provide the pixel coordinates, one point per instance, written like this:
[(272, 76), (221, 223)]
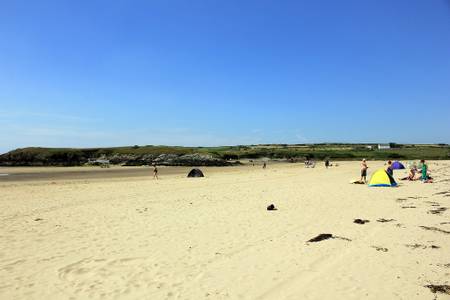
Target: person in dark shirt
[(389, 168)]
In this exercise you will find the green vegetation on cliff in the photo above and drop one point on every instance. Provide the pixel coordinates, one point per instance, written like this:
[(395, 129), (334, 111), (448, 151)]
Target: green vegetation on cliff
[(147, 154)]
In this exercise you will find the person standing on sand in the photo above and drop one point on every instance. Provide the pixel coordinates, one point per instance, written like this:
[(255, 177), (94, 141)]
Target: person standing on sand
[(327, 163), (264, 165), (364, 168), (389, 168), (155, 172), (424, 170)]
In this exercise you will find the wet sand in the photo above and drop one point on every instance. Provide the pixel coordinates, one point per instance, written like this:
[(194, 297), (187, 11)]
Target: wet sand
[(24, 174), (121, 235)]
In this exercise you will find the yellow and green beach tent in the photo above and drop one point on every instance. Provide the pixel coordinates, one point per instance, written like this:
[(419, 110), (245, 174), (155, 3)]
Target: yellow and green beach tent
[(382, 178)]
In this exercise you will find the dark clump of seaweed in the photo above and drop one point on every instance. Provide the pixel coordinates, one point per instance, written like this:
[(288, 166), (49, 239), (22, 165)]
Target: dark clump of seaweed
[(437, 211), (439, 288), (326, 236), (435, 229), (361, 221), (415, 246), (382, 249), (442, 193), (271, 207), (383, 220), (321, 237)]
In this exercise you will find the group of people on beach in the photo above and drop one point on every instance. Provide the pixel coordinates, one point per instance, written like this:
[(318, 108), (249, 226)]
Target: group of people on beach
[(414, 173)]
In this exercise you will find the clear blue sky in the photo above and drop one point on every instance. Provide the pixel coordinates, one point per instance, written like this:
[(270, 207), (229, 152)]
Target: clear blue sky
[(110, 73)]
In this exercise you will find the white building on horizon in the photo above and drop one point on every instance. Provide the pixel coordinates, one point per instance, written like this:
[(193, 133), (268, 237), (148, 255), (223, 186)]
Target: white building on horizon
[(383, 146)]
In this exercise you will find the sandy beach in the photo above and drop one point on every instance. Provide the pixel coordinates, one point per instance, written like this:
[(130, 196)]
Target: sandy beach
[(86, 233)]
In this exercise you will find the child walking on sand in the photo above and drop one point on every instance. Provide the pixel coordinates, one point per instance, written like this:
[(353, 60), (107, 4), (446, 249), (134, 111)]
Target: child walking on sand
[(155, 172)]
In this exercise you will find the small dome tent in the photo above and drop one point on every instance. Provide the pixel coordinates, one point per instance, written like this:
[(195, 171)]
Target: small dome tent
[(396, 165), (196, 173), (382, 178)]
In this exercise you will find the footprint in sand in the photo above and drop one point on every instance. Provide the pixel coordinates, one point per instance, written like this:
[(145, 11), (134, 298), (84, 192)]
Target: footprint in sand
[(90, 277), (72, 271), (12, 265), (100, 270), (401, 199)]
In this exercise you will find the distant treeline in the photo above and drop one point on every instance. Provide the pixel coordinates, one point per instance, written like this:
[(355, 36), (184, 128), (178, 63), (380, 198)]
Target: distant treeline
[(35, 156)]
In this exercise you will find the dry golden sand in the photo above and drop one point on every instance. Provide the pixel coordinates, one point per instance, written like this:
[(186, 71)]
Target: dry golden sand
[(212, 238)]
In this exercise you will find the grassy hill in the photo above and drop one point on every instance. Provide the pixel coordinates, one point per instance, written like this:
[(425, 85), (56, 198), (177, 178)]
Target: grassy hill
[(146, 154)]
